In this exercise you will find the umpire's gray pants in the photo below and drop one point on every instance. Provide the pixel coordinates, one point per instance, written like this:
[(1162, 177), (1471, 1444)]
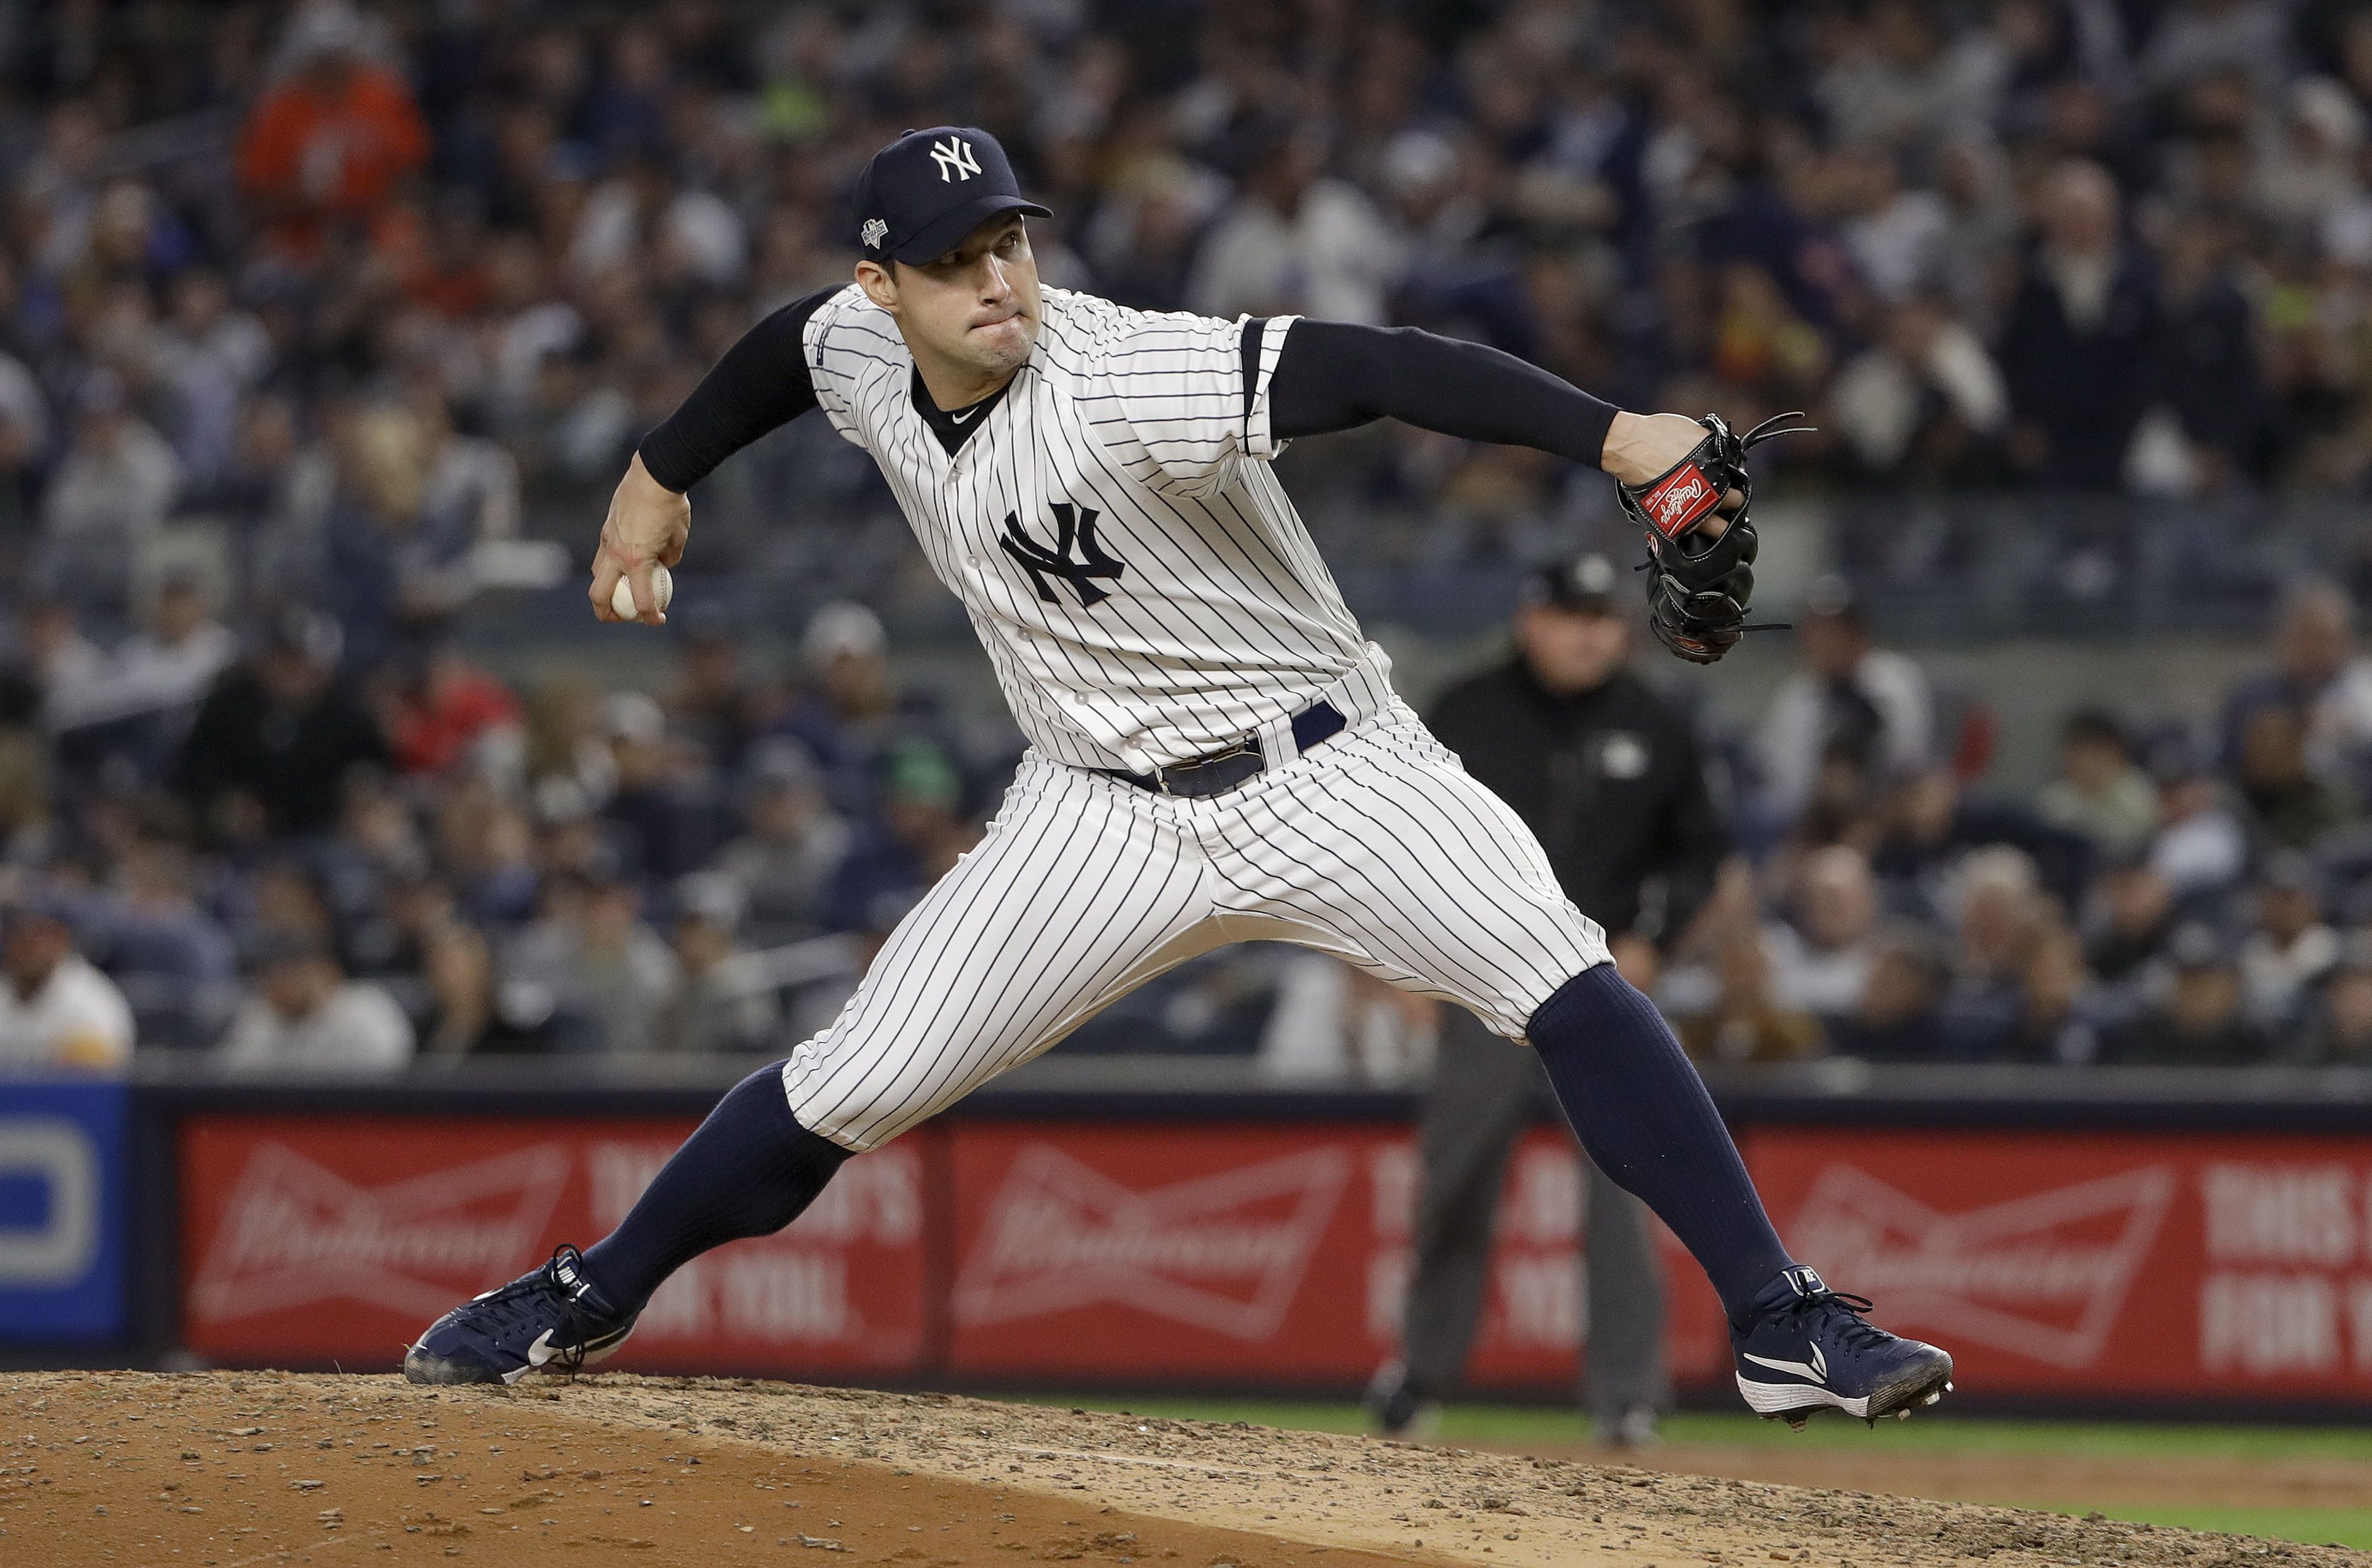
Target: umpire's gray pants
[(1485, 1091)]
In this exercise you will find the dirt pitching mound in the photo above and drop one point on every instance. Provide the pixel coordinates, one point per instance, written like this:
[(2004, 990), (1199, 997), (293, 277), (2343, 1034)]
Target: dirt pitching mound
[(225, 1469)]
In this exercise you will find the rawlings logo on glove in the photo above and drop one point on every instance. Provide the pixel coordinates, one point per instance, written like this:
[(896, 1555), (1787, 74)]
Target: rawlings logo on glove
[(1698, 589), (1679, 501)]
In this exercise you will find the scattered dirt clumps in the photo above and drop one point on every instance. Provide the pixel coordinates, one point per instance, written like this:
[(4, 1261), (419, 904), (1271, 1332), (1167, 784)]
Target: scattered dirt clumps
[(227, 1469)]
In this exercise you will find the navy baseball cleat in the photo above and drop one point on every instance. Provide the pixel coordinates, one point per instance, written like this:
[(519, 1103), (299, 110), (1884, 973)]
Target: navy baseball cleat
[(1806, 1348), (552, 1318)]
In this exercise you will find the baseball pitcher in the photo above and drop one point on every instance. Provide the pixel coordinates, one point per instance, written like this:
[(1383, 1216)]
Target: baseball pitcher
[(1216, 752)]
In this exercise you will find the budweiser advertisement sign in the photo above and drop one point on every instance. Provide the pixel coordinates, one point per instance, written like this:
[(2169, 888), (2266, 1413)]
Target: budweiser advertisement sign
[(1234, 1252), (2097, 1263), (320, 1239)]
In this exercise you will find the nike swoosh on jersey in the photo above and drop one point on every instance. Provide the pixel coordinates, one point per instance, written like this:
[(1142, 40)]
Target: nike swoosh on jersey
[(960, 418), (1800, 1369)]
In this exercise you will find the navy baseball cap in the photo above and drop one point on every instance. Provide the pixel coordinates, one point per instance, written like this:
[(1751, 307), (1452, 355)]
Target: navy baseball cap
[(925, 191), (1584, 583)]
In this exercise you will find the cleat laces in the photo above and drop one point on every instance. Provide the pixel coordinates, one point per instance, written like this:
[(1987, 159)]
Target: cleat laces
[(513, 1305), (1855, 1331)]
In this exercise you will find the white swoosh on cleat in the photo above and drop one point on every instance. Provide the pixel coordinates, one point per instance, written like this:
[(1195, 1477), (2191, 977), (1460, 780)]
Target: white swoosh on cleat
[(1800, 1369), (541, 1350)]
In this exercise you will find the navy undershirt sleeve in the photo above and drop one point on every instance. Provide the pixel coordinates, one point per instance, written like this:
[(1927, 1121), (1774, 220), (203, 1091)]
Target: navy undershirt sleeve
[(762, 384), (1332, 375)]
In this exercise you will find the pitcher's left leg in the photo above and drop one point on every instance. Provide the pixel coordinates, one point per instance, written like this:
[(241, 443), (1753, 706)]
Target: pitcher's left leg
[(1379, 846)]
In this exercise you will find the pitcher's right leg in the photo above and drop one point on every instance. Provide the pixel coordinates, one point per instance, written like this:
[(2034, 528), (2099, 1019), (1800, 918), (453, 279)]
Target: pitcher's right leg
[(1081, 891)]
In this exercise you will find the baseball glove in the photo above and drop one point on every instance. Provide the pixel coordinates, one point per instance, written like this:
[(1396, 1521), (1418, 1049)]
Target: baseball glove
[(1698, 588)]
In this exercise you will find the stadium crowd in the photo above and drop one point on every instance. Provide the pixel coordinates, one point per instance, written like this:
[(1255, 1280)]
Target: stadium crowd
[(309, 313)]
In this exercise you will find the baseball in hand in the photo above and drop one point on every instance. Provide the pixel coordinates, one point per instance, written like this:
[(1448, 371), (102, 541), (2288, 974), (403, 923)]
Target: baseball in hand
[(622, 597)]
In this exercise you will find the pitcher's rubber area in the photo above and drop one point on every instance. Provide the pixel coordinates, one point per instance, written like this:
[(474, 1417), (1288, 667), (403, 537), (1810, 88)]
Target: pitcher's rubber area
[(227, 1469)]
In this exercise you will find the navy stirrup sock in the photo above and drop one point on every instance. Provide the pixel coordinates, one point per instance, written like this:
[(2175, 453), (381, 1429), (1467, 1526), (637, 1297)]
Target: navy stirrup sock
[(1636, 1103), (749, 1169)]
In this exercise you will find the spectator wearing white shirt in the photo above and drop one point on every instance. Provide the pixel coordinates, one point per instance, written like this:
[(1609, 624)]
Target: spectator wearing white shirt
[(1297, 242), (57, 1013), (109, 495), (1822, 963), (306, 1015), (170, 666), (1863, 703), (1925, 401)]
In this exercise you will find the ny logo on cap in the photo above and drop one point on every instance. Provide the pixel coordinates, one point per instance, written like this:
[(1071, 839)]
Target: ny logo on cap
[(875, 231), (954, 159)]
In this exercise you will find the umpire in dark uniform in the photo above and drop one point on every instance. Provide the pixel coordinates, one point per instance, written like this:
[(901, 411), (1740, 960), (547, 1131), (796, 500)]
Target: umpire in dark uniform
[(1609, 775)]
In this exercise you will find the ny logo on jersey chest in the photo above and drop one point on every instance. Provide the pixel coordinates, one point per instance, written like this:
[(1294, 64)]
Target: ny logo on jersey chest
[(1073, 526)]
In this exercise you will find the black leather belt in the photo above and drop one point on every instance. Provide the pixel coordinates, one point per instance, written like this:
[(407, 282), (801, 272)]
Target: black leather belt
[(1223, 771)]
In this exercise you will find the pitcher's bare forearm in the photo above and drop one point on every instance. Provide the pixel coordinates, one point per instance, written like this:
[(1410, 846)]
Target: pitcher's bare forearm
[(647, 527)]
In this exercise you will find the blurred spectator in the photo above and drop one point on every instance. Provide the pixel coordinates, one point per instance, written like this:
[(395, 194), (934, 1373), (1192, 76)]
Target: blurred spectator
[(154, 925), (662, 813), (173, 662), (2321, 674), (1898, 1015), (2291, 949), (2133, 917), (108, 497), (448, 710), (590, 968), (465, 1014), (2075, 348), (2340, 1033), (306, 1015), (327, 144), (1297, 242), (1749, 1020), (2202, 846), (920, 834), (2059, 1014), (272, 746), (1854, 703), (2101, 792), (784, 862), (1819, 962), (714, 704), (2205, 374), (1925, 403), (2197, 1018), (57, 1013), (855, 714), (714, 1008), (1334, 1023), (2289, 805), (2001, 914)]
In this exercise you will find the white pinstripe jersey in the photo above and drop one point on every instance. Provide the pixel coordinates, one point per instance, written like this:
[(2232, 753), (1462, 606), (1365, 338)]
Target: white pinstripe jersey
[(1143, 588)]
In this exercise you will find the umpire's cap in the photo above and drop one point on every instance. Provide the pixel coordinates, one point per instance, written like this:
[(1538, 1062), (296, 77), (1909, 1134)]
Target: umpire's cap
[(1584, 583), (928, 188)]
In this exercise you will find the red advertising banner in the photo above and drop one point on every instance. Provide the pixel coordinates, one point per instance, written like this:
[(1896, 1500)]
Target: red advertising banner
[(1244, 1252), (308, 1239), (2099, 1264)]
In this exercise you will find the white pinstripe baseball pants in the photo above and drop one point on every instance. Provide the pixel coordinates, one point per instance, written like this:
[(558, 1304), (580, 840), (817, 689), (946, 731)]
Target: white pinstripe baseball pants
[(1375, 846)]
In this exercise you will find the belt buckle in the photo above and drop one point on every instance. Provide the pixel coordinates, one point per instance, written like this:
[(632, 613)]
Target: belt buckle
[(1248, 747)]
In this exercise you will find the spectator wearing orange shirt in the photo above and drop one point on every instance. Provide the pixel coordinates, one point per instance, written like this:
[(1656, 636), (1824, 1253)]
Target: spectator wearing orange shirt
[(328, 145)]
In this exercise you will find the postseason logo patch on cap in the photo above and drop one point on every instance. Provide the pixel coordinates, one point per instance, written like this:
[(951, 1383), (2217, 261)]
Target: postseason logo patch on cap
[(873, 233)]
